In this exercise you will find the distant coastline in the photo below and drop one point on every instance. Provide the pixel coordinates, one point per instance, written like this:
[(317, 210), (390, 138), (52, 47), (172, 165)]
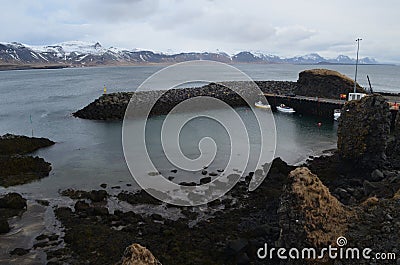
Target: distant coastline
[(10, 67)]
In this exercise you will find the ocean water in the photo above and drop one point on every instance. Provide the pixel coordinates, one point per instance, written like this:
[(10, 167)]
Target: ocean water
[(89, 153)]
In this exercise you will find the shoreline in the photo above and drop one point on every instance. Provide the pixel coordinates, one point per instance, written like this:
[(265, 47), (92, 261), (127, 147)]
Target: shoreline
[(30, 67), (83, 211), (14, 67)]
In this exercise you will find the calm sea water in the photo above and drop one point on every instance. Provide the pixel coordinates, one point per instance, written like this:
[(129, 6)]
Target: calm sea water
[(88, 153)]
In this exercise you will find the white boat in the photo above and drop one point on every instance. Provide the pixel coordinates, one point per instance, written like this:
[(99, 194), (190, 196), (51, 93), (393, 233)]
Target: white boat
[(336, 114), (285, 109), (260, 105)]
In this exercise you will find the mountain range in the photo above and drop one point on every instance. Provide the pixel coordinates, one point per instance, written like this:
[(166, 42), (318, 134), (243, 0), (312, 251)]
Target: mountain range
[(78, 53)]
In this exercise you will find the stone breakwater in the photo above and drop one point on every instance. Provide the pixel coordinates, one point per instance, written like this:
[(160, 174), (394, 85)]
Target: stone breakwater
[(113, 106), (312, 83)]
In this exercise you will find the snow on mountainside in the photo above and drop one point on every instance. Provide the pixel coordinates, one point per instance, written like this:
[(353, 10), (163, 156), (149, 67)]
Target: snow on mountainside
[(77, 53), (308, 58), (65, 48)]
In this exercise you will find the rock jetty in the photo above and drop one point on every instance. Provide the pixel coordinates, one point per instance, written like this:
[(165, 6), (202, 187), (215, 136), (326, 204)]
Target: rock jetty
[(313, 83), (113, 106)]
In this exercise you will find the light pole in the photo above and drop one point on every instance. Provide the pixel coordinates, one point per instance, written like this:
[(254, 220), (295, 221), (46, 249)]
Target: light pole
[(355, 78)]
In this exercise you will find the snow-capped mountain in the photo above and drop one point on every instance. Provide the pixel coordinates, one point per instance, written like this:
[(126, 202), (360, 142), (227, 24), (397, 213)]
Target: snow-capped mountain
[(78, 53), (312, 58), (66, 48)]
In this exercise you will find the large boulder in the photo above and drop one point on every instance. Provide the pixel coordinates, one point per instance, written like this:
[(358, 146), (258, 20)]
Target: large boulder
[(11, 204), (324, 83), (136, 254), (13, 201), (363, 132), (4, 226), (309, 216)]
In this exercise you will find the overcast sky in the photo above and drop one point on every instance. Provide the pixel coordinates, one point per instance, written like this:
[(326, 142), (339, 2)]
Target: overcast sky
[(286, 27)]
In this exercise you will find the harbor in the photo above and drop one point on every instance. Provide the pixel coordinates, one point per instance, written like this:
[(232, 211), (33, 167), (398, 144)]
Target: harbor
[(317, 92), (90, 192)]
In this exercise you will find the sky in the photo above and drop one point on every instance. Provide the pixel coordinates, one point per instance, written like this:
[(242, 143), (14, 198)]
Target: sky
[(285, 28)]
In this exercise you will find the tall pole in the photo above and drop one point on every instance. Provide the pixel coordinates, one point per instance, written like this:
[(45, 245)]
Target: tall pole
[(355, 78)]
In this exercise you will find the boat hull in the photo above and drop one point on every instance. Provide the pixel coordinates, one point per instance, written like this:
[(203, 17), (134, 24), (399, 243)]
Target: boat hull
[(261, 106), (285, 110)]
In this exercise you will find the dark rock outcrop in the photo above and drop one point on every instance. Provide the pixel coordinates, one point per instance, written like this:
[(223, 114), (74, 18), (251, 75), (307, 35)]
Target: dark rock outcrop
[(17, 144), (397, 129), (325, 84), (16, 167), (20, 170), (309, 215), (13, 201), (19, 252), (11, 204), (363, 131), (136, 254), (94, 195), (393, 149), (4, 226)]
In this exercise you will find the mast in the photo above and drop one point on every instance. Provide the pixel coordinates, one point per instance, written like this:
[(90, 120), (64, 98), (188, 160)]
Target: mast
[(355, 78)]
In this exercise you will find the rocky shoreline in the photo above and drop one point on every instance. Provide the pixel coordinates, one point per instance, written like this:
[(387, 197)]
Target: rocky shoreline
[(19, 168), (16, 166), (292, 208)]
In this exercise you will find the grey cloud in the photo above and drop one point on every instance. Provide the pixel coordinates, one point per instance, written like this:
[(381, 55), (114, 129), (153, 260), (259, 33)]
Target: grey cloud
[(117, 10), (287, 28)]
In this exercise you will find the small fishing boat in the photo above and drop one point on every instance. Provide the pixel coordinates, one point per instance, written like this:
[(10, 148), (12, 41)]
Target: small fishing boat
[(260, 105), (336, 114), (285, 109)]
